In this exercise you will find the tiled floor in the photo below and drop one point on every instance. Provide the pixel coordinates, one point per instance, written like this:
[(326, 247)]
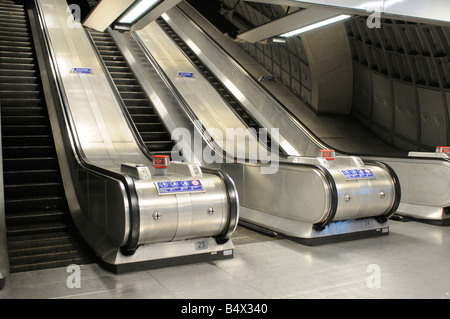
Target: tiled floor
[(413, 261)]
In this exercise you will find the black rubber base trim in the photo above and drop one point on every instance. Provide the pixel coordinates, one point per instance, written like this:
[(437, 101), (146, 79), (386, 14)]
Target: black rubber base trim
[(340, 238), (166, 262), (316, 241), (434, 222)]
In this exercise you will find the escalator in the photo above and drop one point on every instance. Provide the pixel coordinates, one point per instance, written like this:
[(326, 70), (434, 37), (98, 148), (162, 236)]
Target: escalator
[(149, 125), (228, 97), (40, 233)]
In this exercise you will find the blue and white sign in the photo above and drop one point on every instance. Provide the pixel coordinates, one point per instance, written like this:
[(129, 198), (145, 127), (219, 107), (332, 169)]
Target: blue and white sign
[(82, 71), (186, 75), (175, 187), (357, 173)]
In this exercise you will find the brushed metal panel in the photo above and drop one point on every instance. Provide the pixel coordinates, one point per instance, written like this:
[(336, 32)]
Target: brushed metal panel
[(382, 101), (406, 117), (433, 119)]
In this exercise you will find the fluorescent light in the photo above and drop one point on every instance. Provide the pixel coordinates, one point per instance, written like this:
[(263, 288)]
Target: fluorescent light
[(316, 25), (278, 40), (138, 10)]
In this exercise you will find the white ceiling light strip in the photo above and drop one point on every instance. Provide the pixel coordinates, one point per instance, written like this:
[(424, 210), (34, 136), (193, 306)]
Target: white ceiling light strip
[(316, 25), (138, 10)]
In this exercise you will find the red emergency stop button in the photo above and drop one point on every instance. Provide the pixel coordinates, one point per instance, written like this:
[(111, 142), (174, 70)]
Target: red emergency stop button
[(161, 161), (442, 149), (329, 155)]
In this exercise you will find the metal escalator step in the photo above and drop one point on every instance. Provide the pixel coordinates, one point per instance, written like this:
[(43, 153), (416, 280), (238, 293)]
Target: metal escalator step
[(37, 217), (33, 152), (14, 44), (24, 111), (159, 145), (145, 110), (155, 136), (133, 96), (14, 60), (18, 79), (20, 72), (26, 164), (116, 63), (10, 6), (16, 54), (47, 250), (19, 119), (136, 102), (128, 87), (25, 190), (38, 221), (27, 140), (36, 228), (122, 75), (28, 176), (20, 130), (7, 47), (21, 87), (125, 81), (35, 203), (14, 38), (31, 102), (48, 261), (146, 119), (15, 94), (18, 66), (149, 127)]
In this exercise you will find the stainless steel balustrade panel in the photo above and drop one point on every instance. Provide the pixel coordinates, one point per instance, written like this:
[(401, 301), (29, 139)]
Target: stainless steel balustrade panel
[(294, 139), (105, 140), (206, 103), (102, 131), (425, 186)]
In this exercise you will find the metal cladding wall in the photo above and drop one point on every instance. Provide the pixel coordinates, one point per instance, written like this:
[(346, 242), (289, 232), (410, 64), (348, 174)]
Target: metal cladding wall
[(401, 74), (402, 81), (287, 62)]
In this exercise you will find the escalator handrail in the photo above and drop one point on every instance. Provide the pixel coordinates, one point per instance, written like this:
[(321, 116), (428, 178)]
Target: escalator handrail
[(78, 154), (184, 105), (119, 99), (292, 118)]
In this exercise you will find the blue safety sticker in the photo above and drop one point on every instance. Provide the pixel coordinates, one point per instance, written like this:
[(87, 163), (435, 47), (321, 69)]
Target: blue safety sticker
[(185, 74), (357, 173), (82, 70), (174, 187)]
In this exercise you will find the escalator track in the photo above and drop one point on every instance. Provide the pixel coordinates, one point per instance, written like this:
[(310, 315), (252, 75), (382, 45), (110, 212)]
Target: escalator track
[(149, 125), (40, 232), (227, 96)]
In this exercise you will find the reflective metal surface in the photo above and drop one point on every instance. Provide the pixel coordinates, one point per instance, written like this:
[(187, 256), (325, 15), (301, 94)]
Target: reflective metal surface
[(114, 211), (423, 186), (306, 191)]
